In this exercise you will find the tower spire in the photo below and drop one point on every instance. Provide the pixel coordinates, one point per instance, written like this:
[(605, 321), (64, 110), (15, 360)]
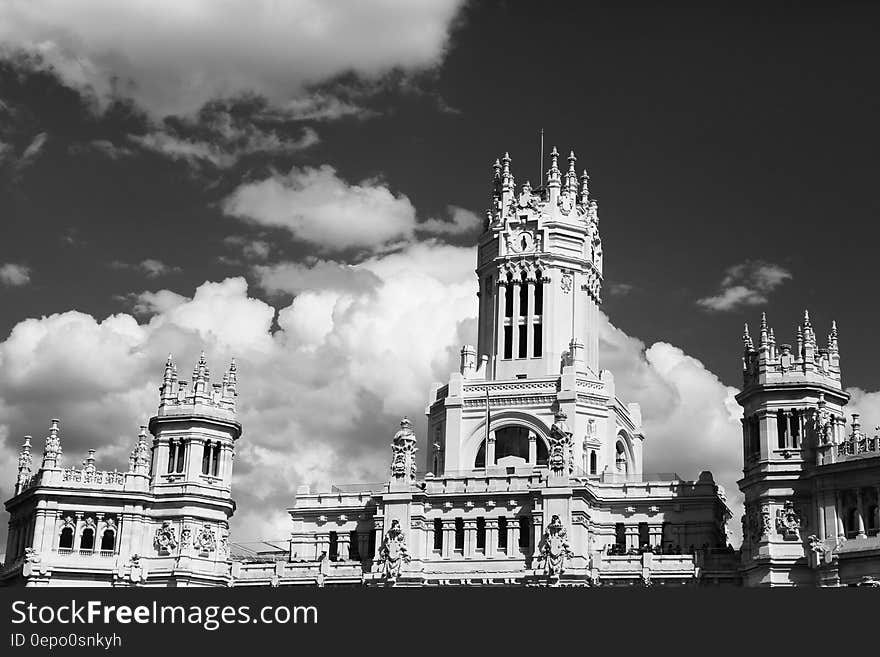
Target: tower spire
[(25, 465), (747, 338), (585, 188), (52, 449), (763, 336), (571, 179)]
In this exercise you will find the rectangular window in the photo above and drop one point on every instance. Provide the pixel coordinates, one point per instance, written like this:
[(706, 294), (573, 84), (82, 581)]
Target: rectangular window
[(524, 539), (508, 342), (795, 428), (620, 538), (523, 344), (206, 458), (502, 533), (215, 468), (334, 546), (459, 534), (538, 346), (481, 533), (539, 296), (172, 448), (644, 536), (438, 534), (523, 298), (354, 547), (508, 301), (371, 544)]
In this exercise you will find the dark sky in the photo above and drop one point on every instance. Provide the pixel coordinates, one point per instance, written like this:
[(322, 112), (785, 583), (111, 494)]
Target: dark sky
[(712, 136)]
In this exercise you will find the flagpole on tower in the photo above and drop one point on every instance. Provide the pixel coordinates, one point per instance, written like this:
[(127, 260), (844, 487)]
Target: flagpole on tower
[(541, 160)]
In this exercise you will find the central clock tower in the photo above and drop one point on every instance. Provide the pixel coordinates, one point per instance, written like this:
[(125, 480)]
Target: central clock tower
[(540, 272)]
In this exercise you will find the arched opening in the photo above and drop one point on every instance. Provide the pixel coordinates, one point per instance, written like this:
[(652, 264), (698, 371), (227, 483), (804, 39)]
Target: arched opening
[(108, 540), (66, 541), (512, 445), (593, 462), (873, 527), (620, 460), (87, 539)]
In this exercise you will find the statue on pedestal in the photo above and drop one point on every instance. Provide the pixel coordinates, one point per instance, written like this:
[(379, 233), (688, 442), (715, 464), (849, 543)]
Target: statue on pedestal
[(555, 548), (394, 552)]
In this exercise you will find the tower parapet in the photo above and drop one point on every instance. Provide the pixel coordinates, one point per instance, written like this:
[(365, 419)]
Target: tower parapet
[(770, 362)]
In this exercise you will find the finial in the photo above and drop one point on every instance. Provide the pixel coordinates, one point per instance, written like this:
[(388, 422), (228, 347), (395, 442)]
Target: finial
[(763, 336), (747, 339), (572, 158), (506, 161), (806, 318), (497, 167), (554, 158), (585, 188), (169, 362)]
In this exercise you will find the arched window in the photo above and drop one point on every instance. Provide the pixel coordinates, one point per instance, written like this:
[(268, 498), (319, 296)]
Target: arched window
[(87, 539), (66, 541), (593, 464), (108, 540), (620, 458)]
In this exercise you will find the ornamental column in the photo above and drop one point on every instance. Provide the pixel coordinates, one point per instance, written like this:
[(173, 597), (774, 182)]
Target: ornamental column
[(860, 514), (470, 538), (499, 330), (512, 544), (491, 537), (448, 537)]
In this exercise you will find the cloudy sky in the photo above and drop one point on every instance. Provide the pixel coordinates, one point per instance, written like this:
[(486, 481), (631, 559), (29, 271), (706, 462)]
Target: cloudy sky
[(297, 184)]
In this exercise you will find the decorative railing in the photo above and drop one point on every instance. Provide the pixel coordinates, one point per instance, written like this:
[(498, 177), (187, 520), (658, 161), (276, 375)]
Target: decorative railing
[(623, 478), (92, 477), (860, 445)]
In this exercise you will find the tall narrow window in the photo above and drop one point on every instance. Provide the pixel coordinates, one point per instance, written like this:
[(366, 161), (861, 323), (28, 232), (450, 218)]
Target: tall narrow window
[(795, 428), (371, 544), (459, 534), (781, 422), (481, 533), (524, 539), (334, 546), (181, 451), (523, 346), (620, 537), (502, 533), (172, 455), (644, 535), (523, 296), (438, 534), (508, 301), (537, 341), (215, 464), (593, 466), (539, 294), (206, 458), (508, 341)]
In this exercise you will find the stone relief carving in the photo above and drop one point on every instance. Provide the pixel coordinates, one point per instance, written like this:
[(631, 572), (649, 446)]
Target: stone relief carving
[(166, 537), (394, 552), (205, 539), (566, 283), (555, 548)]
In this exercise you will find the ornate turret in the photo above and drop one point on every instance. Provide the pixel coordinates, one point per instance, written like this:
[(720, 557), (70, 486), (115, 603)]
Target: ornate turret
[(52, 450), (25, 466), (403, 451), (139, 460)]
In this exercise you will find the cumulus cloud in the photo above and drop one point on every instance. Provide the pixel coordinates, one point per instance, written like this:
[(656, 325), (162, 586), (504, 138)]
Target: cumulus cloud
[(745, 284), (14, 275), (318, 207), (174, 57), (324, 378)]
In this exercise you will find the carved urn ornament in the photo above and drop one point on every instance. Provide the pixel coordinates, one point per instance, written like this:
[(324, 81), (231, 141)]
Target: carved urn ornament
[(394, 552), (555, 548)]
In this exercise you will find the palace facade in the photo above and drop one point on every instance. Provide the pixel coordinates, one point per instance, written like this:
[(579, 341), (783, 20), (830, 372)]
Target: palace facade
[(533, 472)]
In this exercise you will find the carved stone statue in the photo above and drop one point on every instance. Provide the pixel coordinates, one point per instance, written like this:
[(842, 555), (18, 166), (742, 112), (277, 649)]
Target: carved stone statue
[(788, 522), (166, 537), (403, 451), (394, 552), (555, 548), (560, 459)]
